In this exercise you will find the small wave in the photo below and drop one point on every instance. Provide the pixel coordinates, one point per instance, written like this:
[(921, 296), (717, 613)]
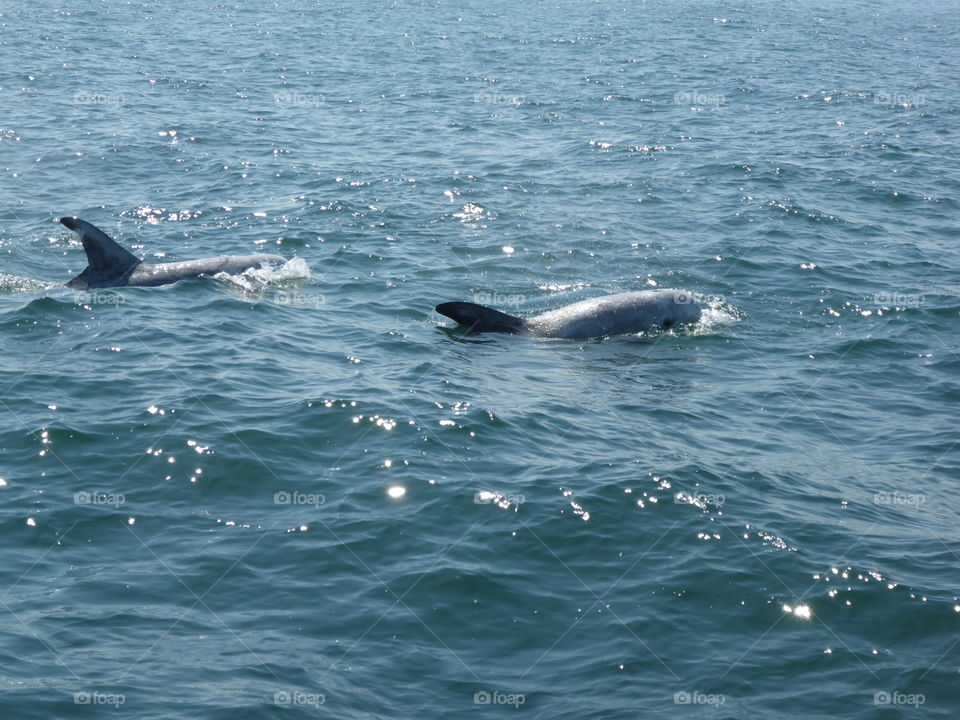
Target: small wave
[(15, 284), (471, 212), (563, 287), (45, 308)]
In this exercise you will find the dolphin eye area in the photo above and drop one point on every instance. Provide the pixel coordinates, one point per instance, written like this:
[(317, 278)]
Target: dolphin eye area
[(668, 323)]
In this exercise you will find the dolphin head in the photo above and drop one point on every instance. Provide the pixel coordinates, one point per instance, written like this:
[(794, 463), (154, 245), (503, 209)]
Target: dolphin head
[(676, 307)]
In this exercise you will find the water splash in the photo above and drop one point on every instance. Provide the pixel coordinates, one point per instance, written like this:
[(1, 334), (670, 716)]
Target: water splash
[(717, 313), (255, 279)]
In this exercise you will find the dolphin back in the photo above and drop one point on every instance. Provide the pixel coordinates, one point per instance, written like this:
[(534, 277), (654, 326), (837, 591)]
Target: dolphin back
[(150, 275), (109, 265), (480, 318)]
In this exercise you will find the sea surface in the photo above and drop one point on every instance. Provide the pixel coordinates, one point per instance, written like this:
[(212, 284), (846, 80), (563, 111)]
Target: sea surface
[(301, 493)]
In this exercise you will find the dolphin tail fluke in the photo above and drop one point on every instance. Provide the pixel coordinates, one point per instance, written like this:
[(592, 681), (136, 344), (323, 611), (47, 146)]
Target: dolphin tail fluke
[(108, 263), (481, 318)]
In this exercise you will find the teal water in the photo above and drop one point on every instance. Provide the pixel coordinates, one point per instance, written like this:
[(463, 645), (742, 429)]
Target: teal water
[(303, 494)]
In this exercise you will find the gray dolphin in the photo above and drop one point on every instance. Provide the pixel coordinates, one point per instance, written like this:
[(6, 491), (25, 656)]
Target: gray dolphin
[(112, 266), (630, 312)]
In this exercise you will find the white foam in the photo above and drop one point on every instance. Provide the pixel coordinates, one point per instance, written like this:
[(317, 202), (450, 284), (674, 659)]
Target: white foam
[(254, 279), (716, 313)]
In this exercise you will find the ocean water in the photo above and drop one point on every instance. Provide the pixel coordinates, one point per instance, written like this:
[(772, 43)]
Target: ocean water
[(302, 493)]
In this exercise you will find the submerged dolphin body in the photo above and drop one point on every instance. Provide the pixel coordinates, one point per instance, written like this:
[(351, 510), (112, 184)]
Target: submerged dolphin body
[(631, 312), (112, 266)]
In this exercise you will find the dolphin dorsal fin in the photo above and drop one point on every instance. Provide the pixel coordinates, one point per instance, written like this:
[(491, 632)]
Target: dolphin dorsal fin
[(481, 318), (108, 263)]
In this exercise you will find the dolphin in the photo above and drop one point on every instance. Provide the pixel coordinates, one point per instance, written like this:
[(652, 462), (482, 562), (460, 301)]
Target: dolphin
[(631, 312), (110, 265)]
